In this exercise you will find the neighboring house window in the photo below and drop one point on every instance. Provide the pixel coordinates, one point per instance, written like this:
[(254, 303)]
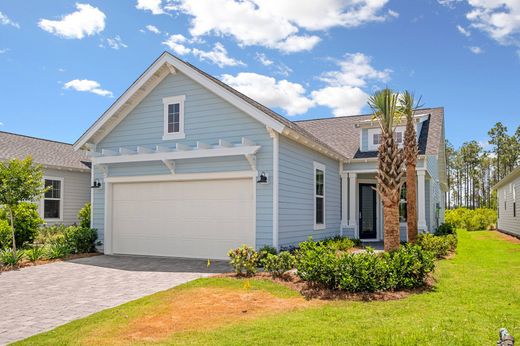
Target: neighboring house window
[(402, 205), (505, 199), (174, 117), (398, 137), (376, 138), (53, 199), (513, 189), (319, 196)]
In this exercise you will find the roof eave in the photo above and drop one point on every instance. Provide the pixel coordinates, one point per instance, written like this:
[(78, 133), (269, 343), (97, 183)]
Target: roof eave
[(514, 174)]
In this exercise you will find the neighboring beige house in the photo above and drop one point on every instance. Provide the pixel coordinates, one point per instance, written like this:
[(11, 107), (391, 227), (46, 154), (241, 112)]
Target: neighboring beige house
[(508, 198), (65, 170)]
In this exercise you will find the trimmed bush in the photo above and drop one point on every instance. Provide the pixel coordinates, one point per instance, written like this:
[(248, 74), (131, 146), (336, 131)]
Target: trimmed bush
[(405, 268), (472, 220), (439, 246), (278, 265), (27, 221), (445, 229), (264, 252), (84, 216), (6, 238), (244, 260), (338, 243), (80, 239)]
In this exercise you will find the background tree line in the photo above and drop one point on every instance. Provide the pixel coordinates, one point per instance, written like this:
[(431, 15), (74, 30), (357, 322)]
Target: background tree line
[(473, 171)]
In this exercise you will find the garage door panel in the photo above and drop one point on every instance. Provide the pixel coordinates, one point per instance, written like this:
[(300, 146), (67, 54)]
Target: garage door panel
[(201, 219)]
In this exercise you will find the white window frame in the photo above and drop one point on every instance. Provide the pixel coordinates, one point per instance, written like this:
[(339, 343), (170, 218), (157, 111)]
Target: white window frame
[(321, 167), (166, 102), (371, 132), (42, 202)]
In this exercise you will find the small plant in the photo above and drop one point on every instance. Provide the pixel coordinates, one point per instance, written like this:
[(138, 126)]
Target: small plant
[(9, 257), (278, 265), (84, 216), (35, 253), (80, 239), (445, 229), (440, 246), (339, 243), (58, 250), (264, 252), (244, 260)]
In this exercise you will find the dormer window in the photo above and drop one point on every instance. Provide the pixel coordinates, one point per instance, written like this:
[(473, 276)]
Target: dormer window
[(174, 117), (374, 138)]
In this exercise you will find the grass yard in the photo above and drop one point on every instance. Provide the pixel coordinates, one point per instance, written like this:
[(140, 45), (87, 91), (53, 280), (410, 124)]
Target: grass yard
[(477, 292)]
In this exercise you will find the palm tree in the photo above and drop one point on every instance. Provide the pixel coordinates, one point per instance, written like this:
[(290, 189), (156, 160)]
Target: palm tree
[(390, 172), (408, 106)]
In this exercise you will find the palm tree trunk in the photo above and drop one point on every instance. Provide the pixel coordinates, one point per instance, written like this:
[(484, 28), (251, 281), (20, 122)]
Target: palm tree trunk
[(411, 203), (391, 228)]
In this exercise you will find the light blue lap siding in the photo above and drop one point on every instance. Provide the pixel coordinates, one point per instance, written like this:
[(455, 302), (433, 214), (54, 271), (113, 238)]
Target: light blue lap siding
[(296, 198), (208, 118)]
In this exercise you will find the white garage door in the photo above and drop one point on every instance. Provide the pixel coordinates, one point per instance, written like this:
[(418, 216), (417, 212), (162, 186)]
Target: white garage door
[(199, 219)]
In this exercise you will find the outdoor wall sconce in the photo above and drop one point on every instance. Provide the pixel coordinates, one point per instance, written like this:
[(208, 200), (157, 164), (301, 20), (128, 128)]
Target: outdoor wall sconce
[(262, 179), (96, 184)]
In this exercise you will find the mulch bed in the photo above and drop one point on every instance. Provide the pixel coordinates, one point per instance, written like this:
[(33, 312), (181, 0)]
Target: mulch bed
[(26, 263), (312, 291)]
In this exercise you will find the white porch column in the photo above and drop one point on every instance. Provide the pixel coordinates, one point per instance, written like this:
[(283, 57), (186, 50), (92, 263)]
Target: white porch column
[(421, 201), (352, 219), (344, 201)]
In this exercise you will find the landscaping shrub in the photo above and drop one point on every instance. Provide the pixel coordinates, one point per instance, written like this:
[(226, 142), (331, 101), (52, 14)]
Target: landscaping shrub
[(27, 221), (407, 267), (277, 265), (338, 243), (84, 216), (244, 260), (439, 246), (264, 252), (35, 253), (80, 239), (9, 258), (445, 229), (51, 234), (6, 237), (57, 250), (472, 220)]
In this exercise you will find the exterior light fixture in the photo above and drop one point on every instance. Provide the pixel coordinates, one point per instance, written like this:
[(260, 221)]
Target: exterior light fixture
[(262, 179), (96, 184)]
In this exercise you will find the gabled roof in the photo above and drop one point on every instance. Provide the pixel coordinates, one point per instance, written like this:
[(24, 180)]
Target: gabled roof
[(168, 63), (515, 173), (48, 153), (342, 134)]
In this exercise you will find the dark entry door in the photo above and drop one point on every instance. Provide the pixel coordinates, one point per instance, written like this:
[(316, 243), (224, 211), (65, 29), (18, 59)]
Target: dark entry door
[(367, 211)]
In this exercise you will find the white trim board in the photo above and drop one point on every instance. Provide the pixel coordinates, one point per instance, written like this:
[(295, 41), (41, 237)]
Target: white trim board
[(182, 177)]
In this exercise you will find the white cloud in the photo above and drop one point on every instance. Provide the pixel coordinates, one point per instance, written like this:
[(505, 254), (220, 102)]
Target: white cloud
[(86, 85), (344, 100), (500, 19), (277, 24), (116, 43), (282, 94), (4, 50), (393, 14), (153, 28), (218, 55), (175, 43), (153, 6), (475, 50), (5, 20), (463, 31), (449, 3), (344, 91), (86, 21), (355, 70), (1, 124), (263, 59)]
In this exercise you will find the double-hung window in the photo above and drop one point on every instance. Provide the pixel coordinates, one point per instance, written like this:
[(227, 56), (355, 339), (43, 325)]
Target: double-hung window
[(53, 199), (513, 191), (319, 196), (403, 209), (174, 117)]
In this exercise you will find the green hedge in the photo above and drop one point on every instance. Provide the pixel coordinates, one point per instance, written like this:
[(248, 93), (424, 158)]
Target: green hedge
[(472, 219), (439, 246), (27, 221)]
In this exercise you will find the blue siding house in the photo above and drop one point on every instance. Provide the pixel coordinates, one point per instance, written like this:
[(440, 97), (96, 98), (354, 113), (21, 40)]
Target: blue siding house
[(186, 166)]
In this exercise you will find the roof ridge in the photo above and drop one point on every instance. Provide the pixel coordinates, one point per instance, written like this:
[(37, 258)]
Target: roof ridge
[(353, 115), (37, 138)]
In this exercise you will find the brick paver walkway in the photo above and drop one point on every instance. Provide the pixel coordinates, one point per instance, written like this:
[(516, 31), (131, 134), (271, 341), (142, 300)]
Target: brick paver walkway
[(40, 298)]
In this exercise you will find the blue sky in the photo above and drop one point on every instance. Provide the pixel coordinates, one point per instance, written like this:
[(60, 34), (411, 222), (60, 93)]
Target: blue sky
[(63, 63)]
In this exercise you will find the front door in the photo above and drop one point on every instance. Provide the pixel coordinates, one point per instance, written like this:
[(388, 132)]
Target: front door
[(367, 211)]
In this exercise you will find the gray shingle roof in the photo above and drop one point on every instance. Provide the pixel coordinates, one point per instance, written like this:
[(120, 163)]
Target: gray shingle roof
[(341, 133), (42, 151)]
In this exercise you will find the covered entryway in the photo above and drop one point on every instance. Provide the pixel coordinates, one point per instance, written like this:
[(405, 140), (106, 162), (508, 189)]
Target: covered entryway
[(187, 218)]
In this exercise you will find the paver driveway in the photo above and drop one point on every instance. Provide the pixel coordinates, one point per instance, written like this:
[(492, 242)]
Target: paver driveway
[(40, 298)]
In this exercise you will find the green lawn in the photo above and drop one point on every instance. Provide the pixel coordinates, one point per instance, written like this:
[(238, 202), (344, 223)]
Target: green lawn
[(477, 292)]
